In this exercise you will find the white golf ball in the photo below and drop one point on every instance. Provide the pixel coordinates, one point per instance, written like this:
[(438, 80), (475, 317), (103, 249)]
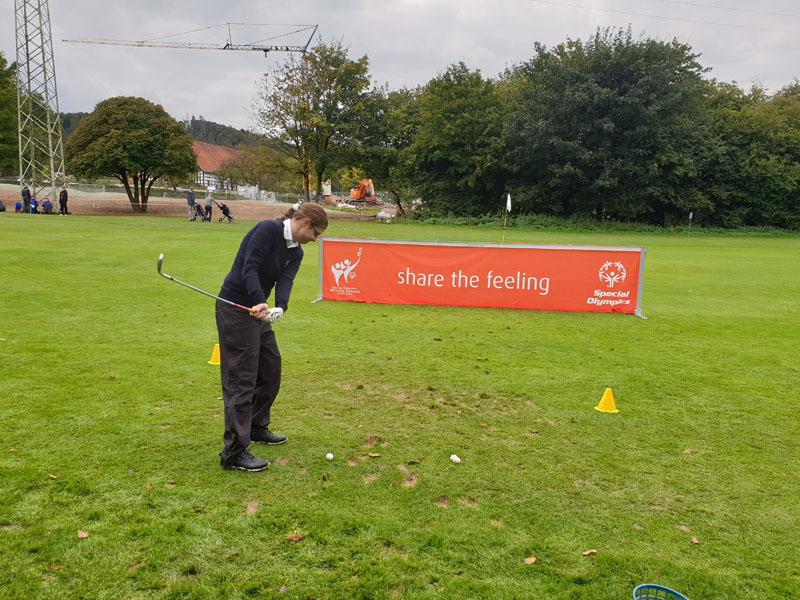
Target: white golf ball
[(329, 456), (455, 458)]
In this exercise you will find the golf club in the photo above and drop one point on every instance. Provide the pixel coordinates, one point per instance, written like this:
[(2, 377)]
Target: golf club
[(160, 272)]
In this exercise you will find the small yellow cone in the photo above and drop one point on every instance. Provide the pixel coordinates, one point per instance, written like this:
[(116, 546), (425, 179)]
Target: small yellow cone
[(215, 357), (607, 402)]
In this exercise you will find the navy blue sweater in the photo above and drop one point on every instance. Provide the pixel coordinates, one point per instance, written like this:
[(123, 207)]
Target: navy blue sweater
[(263, 262)]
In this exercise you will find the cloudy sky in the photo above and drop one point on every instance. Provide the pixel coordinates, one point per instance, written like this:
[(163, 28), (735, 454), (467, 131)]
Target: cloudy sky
[(407, 41)]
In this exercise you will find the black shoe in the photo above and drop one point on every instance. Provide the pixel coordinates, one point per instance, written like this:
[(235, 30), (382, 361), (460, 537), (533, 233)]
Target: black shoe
[(262, 435), (245, 461)]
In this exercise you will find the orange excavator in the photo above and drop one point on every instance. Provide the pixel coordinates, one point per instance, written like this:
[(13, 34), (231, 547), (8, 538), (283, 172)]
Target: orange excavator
[(364, 193)]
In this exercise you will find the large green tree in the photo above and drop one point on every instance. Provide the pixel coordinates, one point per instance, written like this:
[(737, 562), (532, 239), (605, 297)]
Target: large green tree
[(388, 126), (455, 160), (310, 107), (134, 141), (753, 178), (611, 128), (9, 147)]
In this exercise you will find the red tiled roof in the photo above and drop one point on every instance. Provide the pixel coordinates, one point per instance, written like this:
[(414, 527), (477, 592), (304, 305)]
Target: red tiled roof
[(210, 157)]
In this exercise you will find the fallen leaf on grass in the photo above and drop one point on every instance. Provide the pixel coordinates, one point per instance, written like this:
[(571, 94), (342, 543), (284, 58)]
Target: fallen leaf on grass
[(588, 552), (638, 527), (694, 540), (82, 535), (374, 455), (252, 507), (683, 528), (295, 536), (283, 589), (530, 560), (148, 487), (54, 568), (483, 425), (687, 451), (51, 476)]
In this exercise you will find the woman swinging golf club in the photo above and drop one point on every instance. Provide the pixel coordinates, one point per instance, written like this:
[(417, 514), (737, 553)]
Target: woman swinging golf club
[(250, 362)]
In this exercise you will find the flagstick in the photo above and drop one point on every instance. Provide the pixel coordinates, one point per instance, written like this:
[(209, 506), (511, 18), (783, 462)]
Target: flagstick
[(505, 220)]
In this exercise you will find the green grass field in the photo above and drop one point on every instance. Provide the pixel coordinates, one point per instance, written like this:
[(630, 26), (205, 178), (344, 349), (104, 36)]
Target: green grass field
[(111, 423)]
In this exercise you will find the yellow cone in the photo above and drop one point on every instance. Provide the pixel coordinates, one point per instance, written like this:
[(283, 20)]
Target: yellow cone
[(215, 357), (607, 402)]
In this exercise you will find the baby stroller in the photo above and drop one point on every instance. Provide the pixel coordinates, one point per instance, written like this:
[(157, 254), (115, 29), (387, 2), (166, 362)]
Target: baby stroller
[(226, 212)]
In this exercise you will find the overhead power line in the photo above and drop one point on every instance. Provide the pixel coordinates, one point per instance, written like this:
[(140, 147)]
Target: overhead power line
[(731, 8), (635, 14)]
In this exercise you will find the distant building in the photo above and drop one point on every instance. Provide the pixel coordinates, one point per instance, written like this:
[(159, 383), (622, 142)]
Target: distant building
[(210, 158)]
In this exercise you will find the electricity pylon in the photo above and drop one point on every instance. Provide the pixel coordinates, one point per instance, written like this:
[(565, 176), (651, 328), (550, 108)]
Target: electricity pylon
[(41, 147)]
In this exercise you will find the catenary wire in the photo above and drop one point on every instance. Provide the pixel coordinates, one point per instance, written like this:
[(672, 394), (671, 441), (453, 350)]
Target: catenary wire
[(730, 8), (635, 14)]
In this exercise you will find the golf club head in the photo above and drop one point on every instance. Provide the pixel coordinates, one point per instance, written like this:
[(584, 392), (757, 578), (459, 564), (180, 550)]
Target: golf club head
[(160, 262)]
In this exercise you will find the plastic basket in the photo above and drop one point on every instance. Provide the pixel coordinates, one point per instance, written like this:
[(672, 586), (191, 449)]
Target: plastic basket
[(651, 591)]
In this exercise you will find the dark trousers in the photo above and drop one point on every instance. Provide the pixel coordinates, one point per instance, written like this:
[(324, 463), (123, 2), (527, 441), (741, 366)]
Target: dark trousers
[(250, 366), (62, 207), (208, 213)]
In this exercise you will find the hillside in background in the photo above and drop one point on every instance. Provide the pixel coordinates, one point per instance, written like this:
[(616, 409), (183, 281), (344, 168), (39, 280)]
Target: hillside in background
[(200, 129), (69, 122), (219, 135)]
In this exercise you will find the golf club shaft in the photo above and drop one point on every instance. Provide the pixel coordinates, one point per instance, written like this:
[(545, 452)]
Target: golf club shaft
[(206, 293), (196, 289)]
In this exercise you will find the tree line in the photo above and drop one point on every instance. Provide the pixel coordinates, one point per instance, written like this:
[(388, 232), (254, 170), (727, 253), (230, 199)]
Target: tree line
[(608, 128)]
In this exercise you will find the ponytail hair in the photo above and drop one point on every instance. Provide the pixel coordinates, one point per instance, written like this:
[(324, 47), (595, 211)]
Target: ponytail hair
[(308, 210)]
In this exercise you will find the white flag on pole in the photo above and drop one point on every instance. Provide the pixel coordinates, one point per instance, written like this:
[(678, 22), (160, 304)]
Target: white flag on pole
[(508, 203)]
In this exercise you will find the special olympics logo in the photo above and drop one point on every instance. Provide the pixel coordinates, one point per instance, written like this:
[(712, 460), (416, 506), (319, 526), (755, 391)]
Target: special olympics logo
[(344, 269), (611, 273)]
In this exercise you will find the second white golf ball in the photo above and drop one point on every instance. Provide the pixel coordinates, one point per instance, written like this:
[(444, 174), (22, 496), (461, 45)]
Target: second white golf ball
[(455, 458), (329, 456)]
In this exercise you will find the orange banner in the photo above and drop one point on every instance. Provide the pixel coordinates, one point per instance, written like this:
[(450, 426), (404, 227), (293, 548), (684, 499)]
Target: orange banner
[(522, 276)]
